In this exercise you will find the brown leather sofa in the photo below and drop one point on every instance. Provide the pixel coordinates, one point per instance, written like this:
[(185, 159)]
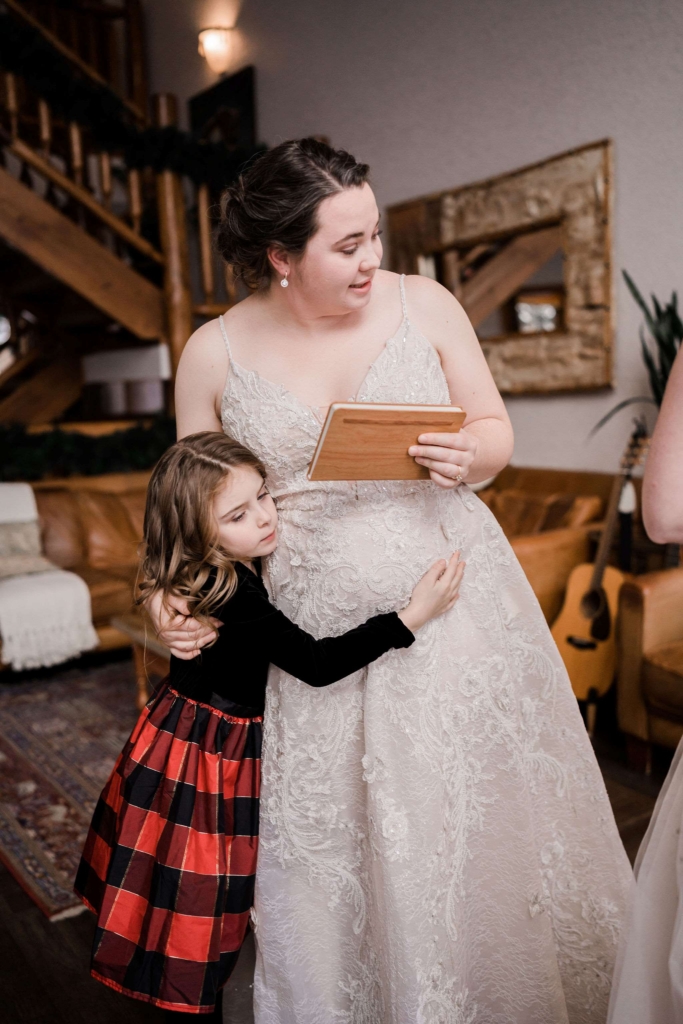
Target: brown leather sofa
[(650, 672), (93, 526)]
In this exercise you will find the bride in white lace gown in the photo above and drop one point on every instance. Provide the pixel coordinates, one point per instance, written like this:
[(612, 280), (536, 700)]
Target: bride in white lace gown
[(437, 846)]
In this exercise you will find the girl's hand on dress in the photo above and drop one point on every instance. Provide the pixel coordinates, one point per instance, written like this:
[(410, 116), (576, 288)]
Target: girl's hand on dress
[(435, 594), (182, 634), (448, 457)]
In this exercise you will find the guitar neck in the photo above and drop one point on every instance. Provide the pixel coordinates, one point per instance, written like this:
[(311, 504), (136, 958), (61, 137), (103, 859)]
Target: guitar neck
[(607, 535)]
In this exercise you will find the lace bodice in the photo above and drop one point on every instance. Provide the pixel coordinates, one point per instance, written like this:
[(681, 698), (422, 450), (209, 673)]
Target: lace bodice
[(283, 431)]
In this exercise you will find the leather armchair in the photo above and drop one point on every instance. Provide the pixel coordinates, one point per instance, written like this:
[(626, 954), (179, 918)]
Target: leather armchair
[(650, 661)]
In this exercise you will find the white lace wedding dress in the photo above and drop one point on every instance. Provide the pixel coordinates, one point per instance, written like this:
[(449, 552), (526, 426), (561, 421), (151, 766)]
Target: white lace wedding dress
[(437, 846)]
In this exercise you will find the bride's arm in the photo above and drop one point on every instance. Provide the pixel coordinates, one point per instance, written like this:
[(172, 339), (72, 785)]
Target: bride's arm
[(484, 446), (200, 379)]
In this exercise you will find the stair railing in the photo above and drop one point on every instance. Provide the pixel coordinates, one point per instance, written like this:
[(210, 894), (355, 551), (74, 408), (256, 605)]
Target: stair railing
[(106, 40), (81, 179), (139, 215)]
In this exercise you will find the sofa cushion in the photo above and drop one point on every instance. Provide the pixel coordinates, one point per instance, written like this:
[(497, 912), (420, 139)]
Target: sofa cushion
[(134, 504), (663, 679), (585, 508), (109, 594), (60, 522), (521, 512), (517, 512), (110, 539)]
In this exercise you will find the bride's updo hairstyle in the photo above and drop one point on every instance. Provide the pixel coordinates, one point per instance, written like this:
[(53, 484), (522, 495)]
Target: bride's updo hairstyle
[(275, 201)]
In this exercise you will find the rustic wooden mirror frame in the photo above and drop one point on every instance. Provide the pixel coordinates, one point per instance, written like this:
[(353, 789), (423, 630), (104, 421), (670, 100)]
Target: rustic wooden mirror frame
[(563, 202)]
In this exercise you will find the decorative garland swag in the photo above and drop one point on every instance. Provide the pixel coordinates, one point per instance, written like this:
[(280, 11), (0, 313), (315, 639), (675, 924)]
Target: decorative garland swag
[(73, 97), (59, 453)]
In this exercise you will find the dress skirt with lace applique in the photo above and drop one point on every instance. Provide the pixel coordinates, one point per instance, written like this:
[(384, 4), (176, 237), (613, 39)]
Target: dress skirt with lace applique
[(437, 846)]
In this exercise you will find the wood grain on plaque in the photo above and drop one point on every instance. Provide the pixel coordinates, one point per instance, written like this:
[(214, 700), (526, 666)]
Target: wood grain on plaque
[(370, 442)]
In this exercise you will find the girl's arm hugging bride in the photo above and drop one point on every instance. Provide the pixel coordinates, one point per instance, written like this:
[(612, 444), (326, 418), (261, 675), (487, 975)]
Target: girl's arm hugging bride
[(317, 335)]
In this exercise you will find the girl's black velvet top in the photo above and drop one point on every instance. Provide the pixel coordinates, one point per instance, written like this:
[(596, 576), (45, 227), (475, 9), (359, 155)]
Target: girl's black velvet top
[(255, 634)]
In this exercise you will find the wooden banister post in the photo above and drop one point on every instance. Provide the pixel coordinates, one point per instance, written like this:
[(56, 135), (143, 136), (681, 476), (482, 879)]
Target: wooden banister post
[(173, 231)]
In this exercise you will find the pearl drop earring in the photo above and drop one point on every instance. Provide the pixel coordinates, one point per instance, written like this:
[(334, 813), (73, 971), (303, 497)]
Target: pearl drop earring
[(284, 282)]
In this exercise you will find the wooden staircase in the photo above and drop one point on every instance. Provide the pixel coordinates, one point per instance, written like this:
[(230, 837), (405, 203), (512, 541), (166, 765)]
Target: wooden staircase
[(78, 260), (94, 252)]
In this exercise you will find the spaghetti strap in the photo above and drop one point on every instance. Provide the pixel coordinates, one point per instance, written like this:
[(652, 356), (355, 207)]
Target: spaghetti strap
[(225, 336), (401, 284)]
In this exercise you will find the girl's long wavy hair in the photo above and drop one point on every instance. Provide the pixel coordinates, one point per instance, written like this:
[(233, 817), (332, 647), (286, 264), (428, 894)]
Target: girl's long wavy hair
[(181, 552)]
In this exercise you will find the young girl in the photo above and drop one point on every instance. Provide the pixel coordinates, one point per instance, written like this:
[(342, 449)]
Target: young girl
[(169, 862)]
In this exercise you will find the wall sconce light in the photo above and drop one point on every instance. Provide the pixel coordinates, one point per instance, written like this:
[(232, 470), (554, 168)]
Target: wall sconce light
[(215, 46)]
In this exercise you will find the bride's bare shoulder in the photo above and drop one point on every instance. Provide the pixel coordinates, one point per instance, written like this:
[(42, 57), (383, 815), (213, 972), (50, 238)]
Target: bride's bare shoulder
[(434, 309), (205, 350), (200, 378)]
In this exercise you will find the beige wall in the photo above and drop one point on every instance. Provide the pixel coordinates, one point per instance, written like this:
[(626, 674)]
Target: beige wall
[(434, 94)]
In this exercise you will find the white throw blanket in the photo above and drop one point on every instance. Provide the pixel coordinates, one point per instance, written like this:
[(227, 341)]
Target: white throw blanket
[(45, 616), (17, 504)]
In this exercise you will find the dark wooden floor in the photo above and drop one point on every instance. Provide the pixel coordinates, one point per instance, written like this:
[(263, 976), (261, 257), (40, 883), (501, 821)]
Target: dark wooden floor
[(44, 967), (44, 975)]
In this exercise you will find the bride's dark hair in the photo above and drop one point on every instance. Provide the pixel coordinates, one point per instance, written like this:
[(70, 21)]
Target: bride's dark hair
[(275, 201)]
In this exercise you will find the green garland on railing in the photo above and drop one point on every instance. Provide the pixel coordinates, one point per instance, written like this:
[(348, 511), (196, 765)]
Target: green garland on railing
[(74, 97), (60, 453)]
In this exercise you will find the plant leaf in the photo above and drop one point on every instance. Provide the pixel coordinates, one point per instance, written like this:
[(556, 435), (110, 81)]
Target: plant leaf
[(653, 371), (617, 408), (640, 300)]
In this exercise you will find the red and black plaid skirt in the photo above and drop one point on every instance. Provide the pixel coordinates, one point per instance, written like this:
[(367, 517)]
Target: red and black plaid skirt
[(170, 858)]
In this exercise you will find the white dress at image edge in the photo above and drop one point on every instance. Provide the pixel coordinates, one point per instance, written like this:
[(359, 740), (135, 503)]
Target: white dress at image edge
[(437, 846), (648, 981)]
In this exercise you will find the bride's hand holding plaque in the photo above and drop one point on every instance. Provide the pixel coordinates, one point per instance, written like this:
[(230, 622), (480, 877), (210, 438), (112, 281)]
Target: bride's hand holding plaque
[(448, 457)]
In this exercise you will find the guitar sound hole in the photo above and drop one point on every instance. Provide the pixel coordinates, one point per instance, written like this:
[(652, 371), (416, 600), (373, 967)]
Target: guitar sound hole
[(592, 604), (602, 623)]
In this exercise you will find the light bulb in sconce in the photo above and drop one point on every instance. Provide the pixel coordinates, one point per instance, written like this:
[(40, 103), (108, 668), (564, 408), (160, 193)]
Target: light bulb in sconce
[(215, 46)]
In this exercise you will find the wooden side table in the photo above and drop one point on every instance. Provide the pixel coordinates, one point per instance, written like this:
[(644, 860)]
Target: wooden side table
[(151, 657)]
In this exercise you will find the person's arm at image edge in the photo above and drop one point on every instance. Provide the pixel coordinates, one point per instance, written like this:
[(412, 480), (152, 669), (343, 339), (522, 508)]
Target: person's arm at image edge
[(487, 430), (663, 481)]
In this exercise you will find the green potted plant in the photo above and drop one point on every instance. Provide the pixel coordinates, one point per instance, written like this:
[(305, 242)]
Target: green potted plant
[(666, 330)]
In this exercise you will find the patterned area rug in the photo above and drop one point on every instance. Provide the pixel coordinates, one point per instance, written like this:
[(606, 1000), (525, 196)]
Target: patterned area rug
[(59, 738)]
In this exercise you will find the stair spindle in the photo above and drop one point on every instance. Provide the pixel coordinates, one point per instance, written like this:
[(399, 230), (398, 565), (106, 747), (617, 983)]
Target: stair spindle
[(206, 254), (44, 127), (135, 199), (105, 179), (135, 54), (12, 103), (230, 284), (76, 151), (173, 230)]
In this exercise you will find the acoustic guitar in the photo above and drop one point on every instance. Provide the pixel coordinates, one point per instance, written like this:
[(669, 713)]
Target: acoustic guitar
[(584, 631)]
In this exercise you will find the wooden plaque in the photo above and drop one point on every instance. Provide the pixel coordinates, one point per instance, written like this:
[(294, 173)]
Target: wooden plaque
[(364, 441)]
